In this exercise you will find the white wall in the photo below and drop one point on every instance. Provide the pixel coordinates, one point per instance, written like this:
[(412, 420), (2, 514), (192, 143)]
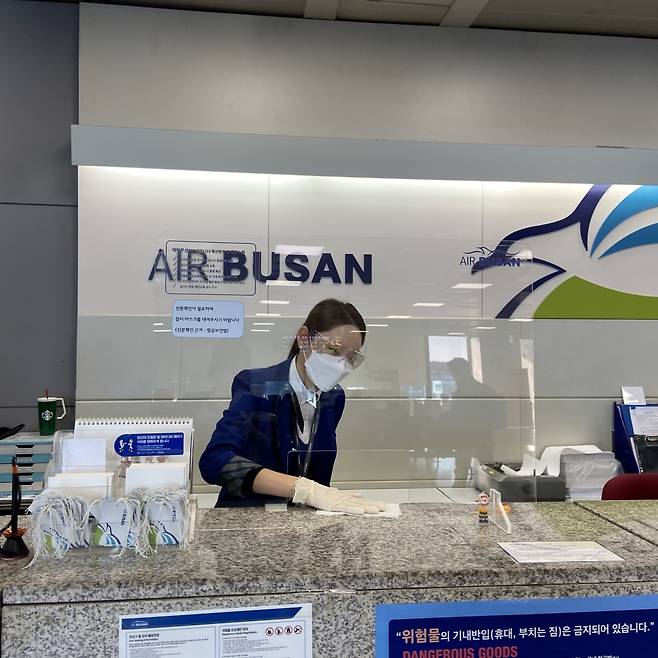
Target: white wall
[(214, 72), (417, 232), (250, 74)]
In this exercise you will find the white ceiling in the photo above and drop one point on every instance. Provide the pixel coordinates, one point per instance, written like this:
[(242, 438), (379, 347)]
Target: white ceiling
[(609, 17)]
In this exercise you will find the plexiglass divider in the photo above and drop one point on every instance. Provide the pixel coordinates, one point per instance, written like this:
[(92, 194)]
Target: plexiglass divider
[(447, 385)]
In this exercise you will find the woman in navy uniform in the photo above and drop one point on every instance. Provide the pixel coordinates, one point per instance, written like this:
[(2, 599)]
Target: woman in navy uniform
[(277, 439)]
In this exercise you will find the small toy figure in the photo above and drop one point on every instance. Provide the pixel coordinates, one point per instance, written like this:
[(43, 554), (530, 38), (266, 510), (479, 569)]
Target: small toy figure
[(483, 509)]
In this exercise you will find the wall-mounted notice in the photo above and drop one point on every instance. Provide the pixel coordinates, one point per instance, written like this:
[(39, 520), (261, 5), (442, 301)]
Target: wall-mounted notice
[(274, 632), (614, 627), (192, 318)]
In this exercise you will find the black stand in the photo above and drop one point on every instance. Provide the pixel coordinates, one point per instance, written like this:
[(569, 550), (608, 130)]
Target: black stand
[(14, 547)]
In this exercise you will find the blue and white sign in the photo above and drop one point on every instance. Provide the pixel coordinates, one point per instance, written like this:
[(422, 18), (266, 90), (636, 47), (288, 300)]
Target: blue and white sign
[(207, 319), (610, 627), (272, 632), (149, 445)]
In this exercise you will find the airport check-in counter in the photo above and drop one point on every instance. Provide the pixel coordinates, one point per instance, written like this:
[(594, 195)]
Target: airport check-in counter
[(344, 566)]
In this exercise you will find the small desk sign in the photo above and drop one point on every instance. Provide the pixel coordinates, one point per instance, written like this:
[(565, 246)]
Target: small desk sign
[(272, 632)]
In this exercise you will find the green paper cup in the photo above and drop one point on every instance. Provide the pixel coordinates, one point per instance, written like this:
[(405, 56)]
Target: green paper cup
[(48, 414)]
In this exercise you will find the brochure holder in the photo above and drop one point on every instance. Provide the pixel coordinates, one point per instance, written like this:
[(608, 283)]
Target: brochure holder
[(634, 446)]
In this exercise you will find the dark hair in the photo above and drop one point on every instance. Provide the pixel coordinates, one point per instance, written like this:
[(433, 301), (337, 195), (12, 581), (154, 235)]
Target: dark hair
[(328, 314)]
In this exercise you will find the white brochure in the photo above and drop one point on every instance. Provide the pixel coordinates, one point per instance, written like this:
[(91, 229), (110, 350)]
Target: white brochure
[(558, 551), (282, 631)]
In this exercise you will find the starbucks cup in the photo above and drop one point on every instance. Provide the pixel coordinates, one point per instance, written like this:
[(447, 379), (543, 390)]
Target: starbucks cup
[(48, 414)]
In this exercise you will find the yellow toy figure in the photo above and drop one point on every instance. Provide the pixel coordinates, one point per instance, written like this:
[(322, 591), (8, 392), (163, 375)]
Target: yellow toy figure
[(483, 509)]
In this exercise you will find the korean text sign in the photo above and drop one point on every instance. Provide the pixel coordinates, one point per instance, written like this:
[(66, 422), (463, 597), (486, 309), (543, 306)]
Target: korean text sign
[(611, 627), (207, 319), (260, 632)]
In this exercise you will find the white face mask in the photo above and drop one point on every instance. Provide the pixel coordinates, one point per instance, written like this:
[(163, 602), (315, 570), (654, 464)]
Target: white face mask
[(326, 370)]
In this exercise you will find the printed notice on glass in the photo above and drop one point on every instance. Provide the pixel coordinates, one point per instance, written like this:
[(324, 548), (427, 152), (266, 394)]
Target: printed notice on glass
[(207, 319), (645, 420), (272, 632), (526, 552), (209, 268)]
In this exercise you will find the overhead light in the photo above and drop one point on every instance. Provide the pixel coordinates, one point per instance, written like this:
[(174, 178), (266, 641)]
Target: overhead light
[(376, 325), (158, 324), (430, 304), (260, 330), (455, 333), (274, 301), (263, 324), (471, 286), (485, 327), (520, 319), (268, 315), (301, 249), (270, 282), (398, 317), (162, 331)]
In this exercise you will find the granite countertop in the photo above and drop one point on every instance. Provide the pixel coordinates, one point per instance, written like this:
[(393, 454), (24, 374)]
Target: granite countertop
[(637, 516), (252, 551)]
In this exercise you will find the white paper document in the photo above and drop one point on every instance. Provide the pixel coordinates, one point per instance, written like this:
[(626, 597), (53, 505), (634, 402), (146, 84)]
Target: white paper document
[(633, 395), (645, 420), (392, 511), (526, 552), (264, 632)]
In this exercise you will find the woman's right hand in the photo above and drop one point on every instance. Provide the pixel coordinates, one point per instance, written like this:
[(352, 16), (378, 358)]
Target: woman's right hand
[(330, 499)]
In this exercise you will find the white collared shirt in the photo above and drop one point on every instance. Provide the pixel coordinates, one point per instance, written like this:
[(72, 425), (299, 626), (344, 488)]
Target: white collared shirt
[(307, 401)]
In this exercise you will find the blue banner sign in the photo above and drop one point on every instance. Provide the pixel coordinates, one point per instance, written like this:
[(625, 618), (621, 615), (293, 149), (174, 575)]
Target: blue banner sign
[(611, 627), (149, 445)]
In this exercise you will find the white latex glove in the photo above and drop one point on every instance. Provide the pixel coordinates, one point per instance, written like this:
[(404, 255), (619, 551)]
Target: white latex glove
[(329, 499)]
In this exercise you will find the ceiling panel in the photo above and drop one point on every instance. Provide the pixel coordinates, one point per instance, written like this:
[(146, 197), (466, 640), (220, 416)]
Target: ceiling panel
[(286, 8), (609, 17), (391, 12)]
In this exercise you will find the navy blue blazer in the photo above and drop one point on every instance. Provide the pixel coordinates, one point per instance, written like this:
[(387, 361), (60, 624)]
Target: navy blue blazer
[(259, 428)]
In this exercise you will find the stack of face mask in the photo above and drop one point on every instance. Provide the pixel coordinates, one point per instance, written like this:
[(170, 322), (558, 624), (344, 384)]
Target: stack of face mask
[(169, 516), (58, 523), (142, 521), (118, 523)]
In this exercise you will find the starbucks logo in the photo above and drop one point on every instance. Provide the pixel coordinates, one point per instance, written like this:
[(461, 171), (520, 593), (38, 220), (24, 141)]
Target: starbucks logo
[(47, 415)]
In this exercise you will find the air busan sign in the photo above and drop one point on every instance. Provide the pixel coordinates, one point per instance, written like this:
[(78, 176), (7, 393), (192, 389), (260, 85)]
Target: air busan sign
[(235, 268)]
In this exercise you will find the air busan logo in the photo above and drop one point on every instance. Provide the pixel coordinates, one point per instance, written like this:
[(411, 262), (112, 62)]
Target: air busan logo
[(138, 623), (610, 232), (223, 268), (485, 256)]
